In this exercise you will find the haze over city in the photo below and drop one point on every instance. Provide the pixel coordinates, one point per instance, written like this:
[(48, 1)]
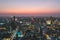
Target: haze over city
[(29, 19)]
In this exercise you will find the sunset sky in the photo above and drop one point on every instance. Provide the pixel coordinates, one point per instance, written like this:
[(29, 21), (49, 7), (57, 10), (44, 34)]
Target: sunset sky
[(29, 6)]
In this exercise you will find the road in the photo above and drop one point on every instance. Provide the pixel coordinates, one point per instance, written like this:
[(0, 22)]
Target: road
[(14, 33)]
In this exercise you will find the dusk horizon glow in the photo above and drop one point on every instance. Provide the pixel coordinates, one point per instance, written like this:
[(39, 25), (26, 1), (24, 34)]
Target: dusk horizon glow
[(32, 7)]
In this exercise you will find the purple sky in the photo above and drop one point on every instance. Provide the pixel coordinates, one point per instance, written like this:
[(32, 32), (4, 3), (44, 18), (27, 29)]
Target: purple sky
[(30, 7)]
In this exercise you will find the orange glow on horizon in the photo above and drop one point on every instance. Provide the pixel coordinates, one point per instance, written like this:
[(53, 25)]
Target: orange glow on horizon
[(29, 11), (33, 7)]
